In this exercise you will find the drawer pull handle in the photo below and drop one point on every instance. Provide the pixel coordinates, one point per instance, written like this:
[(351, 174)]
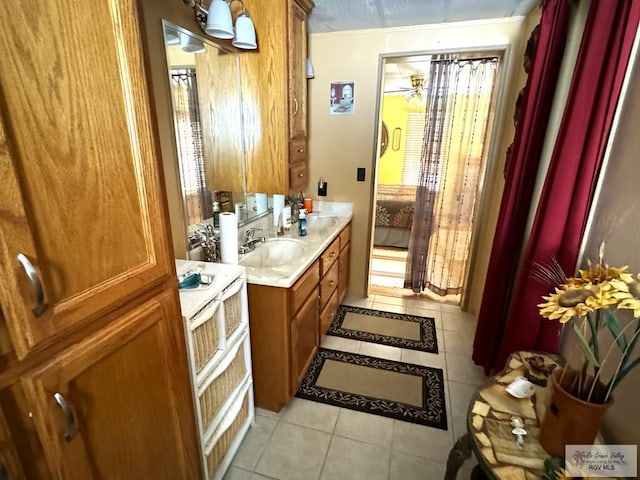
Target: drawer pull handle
[(295, 106), (332, 254), (332, 283), (301, 175), (68, 414), (300, 150), (36, 284)]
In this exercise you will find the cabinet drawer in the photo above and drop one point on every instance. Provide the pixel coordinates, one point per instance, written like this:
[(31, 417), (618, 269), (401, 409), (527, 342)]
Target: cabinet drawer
[(298, 151), (232, 303), (345, 236), (297, 177), (303, 287), (328, 313), (221, 385), (329, 256), (328, 284), (223, 445)]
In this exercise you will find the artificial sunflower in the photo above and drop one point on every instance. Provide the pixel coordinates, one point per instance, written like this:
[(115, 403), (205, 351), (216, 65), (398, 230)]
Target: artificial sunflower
[(568, 302), (592, 303)]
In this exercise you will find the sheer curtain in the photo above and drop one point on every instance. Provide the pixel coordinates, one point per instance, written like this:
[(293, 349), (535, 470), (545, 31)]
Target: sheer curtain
[(190, 150), (459, 94)]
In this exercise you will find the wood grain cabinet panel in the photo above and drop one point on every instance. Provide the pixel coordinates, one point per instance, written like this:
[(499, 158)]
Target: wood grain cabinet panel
[(274, 97), (343, 272), (119, 412), (304, 339), (78, 162)]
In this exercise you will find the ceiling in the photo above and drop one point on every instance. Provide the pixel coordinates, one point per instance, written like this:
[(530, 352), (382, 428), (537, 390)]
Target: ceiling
[(341, 15)]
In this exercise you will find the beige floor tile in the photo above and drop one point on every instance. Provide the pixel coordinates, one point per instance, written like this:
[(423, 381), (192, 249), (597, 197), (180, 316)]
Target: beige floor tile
[(459, 322), (427, 442), (267, 413), (460, 395), (358, 301), (410, 467), (340, 343), (293, 453), (235, 473), (425, 359), (458, 342), (380, 351), (382, 299), (255, 442), (306, 413), (446, 307), (349, 459), (364, 427), (460, 368)]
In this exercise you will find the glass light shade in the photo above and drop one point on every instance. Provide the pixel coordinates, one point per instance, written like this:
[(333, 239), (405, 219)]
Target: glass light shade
[(191, 44), (219, 23), (310, 71), (245, 37), (171, 37)]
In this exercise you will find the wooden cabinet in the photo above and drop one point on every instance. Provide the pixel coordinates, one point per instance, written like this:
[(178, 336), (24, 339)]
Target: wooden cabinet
[(304, 339), (287, 324), (88, 295), (97, 405), (274, 96), (75, 154), (343, 263)]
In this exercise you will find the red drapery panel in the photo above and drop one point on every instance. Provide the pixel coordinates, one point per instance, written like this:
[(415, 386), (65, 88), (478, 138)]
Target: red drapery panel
[(573, 171), (522, 169)]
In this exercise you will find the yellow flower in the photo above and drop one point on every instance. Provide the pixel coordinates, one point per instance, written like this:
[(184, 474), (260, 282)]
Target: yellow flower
[(632, 300), (608, 293), (566, 303), (601, 273)]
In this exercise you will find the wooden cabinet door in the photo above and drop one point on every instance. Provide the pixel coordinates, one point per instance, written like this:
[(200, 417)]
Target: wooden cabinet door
[(304, 339), (10, 466), (81, 197), (343, 271), (297, 72), (118, 405)]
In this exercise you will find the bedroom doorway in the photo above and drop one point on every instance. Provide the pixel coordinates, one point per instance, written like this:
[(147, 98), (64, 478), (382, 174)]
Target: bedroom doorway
[(435, 115)]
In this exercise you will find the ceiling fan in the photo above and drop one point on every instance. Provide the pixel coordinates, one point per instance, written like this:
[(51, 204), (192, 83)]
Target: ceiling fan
[(416, 92)]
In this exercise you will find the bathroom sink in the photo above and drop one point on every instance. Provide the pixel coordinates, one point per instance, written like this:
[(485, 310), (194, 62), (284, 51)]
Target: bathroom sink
[(319, 222), (274, 253)]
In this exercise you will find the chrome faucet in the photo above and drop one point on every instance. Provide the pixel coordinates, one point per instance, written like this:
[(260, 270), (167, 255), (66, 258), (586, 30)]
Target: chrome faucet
[(250, 240), (207, 238)]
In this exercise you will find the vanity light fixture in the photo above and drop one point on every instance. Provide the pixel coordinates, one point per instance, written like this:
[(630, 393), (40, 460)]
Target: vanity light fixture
[(191, 44), (310, 71), (217, 22)]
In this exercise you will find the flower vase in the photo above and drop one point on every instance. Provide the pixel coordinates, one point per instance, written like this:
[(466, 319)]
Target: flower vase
[(568, 419)]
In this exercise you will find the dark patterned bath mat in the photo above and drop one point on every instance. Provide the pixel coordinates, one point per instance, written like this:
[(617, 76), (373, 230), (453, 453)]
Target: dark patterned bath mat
[(398, 390), (387, 328)]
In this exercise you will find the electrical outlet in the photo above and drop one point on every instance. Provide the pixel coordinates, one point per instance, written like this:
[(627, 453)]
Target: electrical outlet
[(322, 188)]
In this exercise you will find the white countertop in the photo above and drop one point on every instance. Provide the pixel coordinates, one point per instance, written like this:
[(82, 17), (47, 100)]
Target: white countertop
[(316, 241), (192, 300)]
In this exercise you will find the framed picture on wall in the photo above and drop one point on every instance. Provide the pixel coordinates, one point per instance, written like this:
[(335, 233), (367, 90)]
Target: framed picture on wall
[(342, 99)]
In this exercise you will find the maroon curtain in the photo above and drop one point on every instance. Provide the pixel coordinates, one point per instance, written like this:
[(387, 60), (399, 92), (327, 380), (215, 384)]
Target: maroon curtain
[(579, 148), (521, 171)]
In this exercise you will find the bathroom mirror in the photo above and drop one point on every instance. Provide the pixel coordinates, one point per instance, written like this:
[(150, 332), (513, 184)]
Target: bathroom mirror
[(207, 111)]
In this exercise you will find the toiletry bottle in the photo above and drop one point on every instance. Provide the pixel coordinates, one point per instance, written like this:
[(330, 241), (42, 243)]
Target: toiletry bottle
[(280, 227), (286, 216), (302, 223), (216, 215)]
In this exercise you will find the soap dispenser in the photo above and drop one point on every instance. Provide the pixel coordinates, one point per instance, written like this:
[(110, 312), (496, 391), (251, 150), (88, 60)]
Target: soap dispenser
[(302, 223)]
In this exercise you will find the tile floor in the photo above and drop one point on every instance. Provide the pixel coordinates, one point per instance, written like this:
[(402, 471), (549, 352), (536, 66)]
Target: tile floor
[(308, 440)]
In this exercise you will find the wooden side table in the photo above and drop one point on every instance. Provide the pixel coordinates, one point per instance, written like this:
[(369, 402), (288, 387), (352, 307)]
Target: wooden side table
[(489, 431)]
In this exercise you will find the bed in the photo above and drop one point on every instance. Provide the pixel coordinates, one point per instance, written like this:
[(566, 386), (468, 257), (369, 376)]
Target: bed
[(394, 215)]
